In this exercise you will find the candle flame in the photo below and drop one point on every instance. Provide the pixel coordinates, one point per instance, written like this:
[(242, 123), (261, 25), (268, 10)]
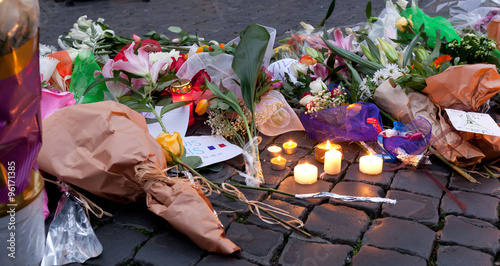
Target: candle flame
[(279, 158), (290, 143), (327, 144)]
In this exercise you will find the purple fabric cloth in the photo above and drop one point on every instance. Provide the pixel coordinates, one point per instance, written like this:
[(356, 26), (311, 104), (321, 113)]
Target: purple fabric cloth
[(343, 123), (20, 132)]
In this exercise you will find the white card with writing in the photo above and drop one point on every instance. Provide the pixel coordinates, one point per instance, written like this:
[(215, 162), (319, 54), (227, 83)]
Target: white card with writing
[(211, 149), (175, 120), (473, 122), (280, 67)]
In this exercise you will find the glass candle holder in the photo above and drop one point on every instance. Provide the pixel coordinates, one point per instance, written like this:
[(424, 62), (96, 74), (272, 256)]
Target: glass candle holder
[(181, 91)]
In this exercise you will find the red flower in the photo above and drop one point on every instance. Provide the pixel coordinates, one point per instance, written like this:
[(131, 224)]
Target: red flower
[(177, 63), (198, 80), (306, 93), (335, 92), (151, 46)]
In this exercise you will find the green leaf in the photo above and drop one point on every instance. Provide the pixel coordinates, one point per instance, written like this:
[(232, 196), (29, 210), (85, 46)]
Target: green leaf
[(215, 167), (138, 107), (346, 54), (163, 102), (247, 61), (368, 10), (328, 14), (193, 161), (172, 106), (229, 98), (435, 52), (409, 49), (166, 78), (151, 120), (355, 74), (174, 29), (372, 47)]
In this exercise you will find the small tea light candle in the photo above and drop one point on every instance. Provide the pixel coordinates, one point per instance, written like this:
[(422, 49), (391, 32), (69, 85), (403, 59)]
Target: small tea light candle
[(370, 164), (278, 163), (290, 147), (305, 174), (322, 148), (333, 162), (273, 151)]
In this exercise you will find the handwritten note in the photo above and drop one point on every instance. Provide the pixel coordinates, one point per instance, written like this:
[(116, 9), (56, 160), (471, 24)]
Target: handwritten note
[(473, 122), (175, 120), (280, 67), (211, 149)]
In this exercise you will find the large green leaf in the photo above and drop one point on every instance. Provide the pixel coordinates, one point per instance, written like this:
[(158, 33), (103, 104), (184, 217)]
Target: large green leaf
[(346, 54), (248, 61), (329, 12)]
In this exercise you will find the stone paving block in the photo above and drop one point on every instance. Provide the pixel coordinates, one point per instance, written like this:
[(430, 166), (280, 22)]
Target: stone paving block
[(338, 224), (487, 186), (289, 185), (257, 245), (298, 136), (418, 208), (225, 217), (335, 178), (383, 179), (273, 177), (298, 252), (462, 256), (360, 190), (266, 140), (438, 167), (237, 162), (221, 201), (294, 210), (170, 246), (350, 151), (478, 206), (402, 236), (136, 215), (216, 260), (417, 182), (373, 256), (117, 250), (220, 176), (471, 233)]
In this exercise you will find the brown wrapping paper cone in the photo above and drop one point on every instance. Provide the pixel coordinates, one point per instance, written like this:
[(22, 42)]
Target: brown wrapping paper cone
[(405, 108), (493, 30), (464, 87), (96, 147), (190, 212)]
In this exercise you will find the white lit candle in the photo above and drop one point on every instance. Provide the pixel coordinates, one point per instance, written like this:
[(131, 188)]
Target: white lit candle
[(333, 162), (290, 147), (273, 151), (305, 174), (322, 148), (278, 163), (370, 164)]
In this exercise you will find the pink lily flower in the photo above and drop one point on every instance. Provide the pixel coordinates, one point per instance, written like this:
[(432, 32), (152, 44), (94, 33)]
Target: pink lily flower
[(139, 64), (340, 41), (53, 101), (117, 90)]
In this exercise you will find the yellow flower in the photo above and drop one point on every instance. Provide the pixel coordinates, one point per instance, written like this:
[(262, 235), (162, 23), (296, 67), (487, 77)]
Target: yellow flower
[(201, 107), (402, 23), (172, 145)]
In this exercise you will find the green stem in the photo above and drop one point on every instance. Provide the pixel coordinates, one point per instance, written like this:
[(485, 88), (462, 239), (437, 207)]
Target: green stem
[(158, 118), (489, 171), (456, 168), (388, 116)]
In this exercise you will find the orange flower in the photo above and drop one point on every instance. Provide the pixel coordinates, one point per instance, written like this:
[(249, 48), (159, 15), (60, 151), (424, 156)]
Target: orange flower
[(222, 46), (307, 60), (201, 49), (440, 60)]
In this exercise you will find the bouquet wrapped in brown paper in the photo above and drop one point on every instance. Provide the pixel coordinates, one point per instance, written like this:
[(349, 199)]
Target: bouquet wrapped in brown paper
[(98, 147)]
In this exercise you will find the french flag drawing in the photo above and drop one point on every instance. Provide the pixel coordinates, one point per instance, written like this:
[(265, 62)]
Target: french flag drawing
[(213, 147)]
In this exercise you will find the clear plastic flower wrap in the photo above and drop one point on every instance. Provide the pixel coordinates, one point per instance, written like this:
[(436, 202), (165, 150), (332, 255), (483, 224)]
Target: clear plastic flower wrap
[(70, 237), (343, 123)]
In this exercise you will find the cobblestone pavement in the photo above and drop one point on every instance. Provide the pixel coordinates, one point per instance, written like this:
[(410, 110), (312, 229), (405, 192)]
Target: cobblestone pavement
[(424, 228)]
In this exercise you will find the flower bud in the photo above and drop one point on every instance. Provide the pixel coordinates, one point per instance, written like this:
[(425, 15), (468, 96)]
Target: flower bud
[(317, 86), (389, 50), (420, 54), (172, 145), (201, 107), (308, 60), (368, 54), (402, 23), (297, 67)]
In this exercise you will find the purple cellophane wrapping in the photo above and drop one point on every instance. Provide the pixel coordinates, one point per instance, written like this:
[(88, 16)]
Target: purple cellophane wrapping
[(343, 123), (411, 147), (20, 135)]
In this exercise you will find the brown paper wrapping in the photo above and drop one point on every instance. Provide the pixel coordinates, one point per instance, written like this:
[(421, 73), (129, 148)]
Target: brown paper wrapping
[(493, 30), (189, 211), (464, 87), (96, 147), (405, 108)]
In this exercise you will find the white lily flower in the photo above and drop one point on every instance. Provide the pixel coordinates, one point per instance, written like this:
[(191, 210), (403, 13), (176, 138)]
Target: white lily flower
[(297, 67), (84, 22), (307, 27), (304, 101)]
